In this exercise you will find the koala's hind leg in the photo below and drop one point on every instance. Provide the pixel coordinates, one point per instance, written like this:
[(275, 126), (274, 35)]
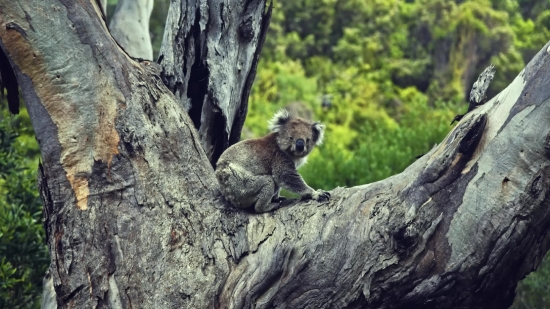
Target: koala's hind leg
[(244, 189), (265, 194)]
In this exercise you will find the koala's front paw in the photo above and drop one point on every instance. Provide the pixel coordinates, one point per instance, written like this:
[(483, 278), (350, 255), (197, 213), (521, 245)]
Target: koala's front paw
[(320, 195)]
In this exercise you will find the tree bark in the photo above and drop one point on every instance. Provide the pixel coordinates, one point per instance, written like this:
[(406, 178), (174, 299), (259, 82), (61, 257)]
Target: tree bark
[(130, 27), (133, 214), (209, 55)]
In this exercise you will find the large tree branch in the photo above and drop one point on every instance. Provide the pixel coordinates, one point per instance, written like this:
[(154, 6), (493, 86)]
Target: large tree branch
[(209, 55), (134, 217)]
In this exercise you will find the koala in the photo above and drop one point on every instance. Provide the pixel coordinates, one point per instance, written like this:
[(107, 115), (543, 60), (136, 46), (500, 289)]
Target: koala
[(251, 173)]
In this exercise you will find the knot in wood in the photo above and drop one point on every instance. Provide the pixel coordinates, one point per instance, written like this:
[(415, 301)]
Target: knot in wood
[(405, 238), (246, 31)]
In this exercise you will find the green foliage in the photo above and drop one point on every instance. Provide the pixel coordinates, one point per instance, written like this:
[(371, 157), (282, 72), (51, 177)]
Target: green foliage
[(380, 147), (397, 71), (23, 252), (533, 291)]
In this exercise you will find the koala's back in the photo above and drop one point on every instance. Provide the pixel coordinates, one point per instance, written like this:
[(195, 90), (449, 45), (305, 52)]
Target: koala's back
[(254, 155), (245, 168)]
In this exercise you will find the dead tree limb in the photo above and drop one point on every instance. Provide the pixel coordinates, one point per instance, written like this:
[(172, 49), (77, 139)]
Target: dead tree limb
[(479, 91)]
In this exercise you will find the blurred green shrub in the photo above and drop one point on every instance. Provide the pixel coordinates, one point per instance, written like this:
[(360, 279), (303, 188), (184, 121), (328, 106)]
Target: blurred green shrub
[(23, 252), (532, 292)]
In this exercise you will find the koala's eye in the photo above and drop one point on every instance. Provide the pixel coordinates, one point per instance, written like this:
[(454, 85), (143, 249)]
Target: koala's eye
[(307, 140), (291, 138)]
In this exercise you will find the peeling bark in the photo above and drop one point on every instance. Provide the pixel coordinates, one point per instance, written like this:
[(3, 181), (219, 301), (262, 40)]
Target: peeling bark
[(133, 214)]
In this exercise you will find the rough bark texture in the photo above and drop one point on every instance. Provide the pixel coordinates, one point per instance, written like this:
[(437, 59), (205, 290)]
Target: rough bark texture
[(208, 56), (134, 218), (130, 27)]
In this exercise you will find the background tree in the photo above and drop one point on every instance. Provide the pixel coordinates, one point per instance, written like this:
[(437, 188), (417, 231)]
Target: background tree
[(130, 27)]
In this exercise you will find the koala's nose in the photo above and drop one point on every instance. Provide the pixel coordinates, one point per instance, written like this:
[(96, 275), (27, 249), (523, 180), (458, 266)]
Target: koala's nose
[(300, 145)]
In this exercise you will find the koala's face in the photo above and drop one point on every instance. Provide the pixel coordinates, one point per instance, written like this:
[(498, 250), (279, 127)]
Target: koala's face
[(296, 136)]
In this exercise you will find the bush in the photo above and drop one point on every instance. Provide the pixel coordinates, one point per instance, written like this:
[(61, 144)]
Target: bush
[(23, 252)]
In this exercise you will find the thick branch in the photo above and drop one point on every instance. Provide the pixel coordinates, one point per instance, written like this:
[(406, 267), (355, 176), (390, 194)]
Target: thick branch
[(209, 56)]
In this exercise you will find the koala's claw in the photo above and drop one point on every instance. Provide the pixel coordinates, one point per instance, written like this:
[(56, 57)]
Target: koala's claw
[(278, 199), (320, 196), (324, 196)]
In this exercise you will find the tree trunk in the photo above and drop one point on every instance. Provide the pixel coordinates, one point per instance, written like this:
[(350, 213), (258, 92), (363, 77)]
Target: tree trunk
[(130, 27), (133, 214), (209, 55)]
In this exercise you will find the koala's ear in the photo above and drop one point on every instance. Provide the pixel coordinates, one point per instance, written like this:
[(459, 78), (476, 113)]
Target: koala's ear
[(278, 120), (318, 132)]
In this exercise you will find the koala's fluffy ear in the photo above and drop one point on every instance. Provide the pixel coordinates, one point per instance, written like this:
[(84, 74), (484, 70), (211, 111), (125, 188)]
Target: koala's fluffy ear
[(279, 119), (318, 132)]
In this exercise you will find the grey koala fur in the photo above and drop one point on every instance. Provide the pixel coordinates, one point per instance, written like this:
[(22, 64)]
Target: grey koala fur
[(252, 172)]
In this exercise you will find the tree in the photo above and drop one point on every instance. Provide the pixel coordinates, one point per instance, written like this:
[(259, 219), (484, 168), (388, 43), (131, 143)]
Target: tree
[(130, 27), (133, 213)]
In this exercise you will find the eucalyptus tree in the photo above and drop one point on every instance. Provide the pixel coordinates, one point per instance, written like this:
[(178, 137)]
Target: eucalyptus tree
[(133, 213)]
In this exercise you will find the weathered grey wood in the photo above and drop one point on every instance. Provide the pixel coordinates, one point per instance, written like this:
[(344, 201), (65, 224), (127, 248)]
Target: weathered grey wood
[(208, 56), (49, 300), (479, 90), (134, 218), (129, 26), (103, 6)]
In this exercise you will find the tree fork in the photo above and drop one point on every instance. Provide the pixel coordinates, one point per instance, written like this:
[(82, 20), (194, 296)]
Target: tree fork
[(135, 219), (209, 55)]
